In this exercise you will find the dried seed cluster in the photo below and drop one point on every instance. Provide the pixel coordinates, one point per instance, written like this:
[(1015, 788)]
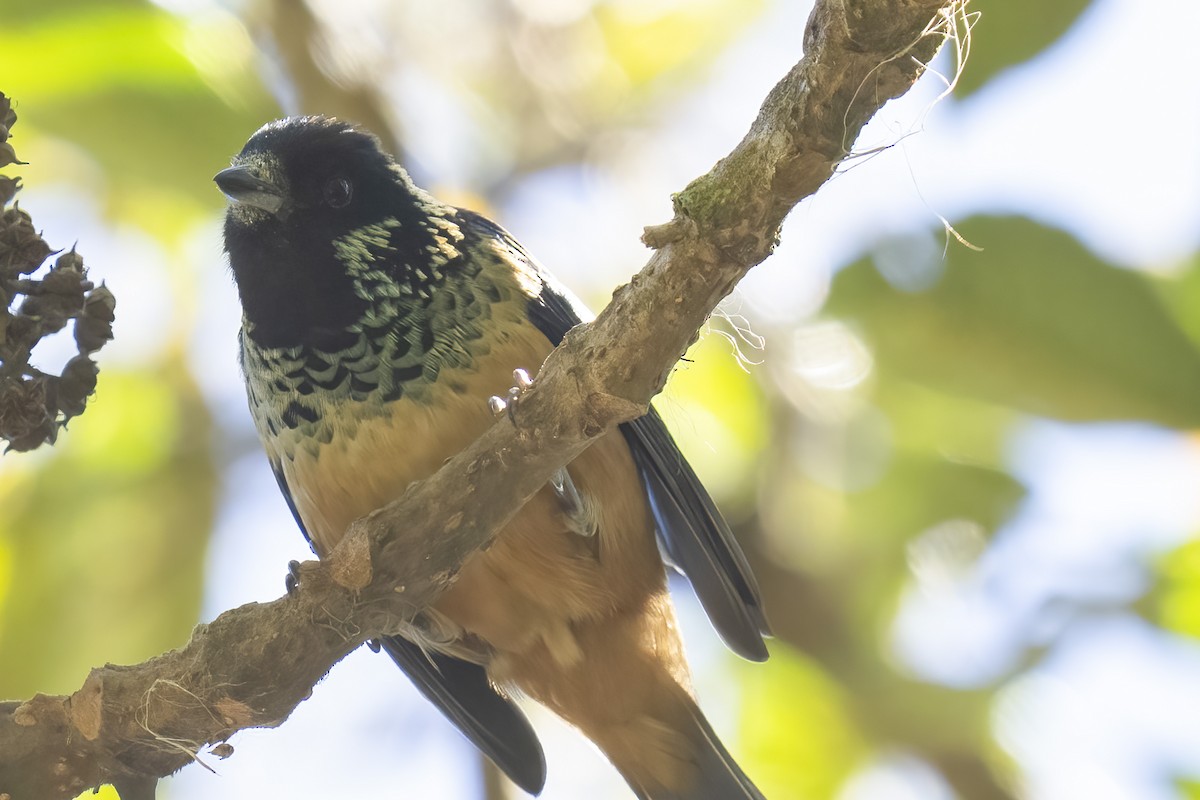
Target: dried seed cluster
[(35, 404)]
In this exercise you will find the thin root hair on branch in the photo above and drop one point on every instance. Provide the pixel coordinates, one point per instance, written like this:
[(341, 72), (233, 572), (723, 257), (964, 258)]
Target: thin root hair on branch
[(398, 559)]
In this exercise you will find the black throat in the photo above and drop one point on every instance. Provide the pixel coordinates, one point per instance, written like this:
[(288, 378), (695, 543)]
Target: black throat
[(290, 294)]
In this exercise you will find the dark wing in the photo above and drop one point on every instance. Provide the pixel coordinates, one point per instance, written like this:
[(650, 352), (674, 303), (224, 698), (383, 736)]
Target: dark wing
[(491, 721), (692, 531), (697, 538), (461, 690), (291, 504)]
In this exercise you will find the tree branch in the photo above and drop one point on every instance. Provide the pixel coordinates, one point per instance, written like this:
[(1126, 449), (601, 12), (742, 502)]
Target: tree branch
[(252, 666), (294, 34)]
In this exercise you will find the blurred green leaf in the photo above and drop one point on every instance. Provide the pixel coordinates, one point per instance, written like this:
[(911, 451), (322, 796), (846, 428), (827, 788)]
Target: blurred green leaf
[(960, 429), (922, 491), (109, 45), (21, 12), (1181, 293), (856, 542), (796, 738), (716, 411), (1176, 595), (1034, 321), (156, 101), (103, 793), (1010, 32), (870, 531), (648, 45), (119, 512)]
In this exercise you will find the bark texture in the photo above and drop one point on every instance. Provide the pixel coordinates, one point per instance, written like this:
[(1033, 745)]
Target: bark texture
[(251, 667)]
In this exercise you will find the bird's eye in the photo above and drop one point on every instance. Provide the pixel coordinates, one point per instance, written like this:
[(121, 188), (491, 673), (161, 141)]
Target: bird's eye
[(338, 192)]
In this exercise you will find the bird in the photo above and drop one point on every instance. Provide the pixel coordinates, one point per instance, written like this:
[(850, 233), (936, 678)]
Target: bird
[(377, 322)]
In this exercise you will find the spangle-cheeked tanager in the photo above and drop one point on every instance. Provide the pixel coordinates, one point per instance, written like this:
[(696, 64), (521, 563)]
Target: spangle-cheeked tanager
[(377, 321)]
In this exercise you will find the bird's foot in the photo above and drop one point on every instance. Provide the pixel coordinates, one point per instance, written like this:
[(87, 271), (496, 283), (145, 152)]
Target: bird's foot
[(291, 581), (564, 488), (521, 384), (572, 502)]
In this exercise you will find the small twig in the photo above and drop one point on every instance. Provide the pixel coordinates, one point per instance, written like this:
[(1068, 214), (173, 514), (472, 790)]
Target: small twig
[(604, 373)]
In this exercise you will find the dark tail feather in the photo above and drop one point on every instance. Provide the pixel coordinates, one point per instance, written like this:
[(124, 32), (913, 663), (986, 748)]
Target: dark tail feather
[(493, 723), (720, 777)]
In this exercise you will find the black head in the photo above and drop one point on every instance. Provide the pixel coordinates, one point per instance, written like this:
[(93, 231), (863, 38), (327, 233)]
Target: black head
[(298, 185)]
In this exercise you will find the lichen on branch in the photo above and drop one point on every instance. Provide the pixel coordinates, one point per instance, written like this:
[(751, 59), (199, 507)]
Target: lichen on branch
[(128, 725)]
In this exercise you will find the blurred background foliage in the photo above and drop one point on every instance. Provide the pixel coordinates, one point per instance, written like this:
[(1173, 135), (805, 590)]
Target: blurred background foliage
[(967, 476)]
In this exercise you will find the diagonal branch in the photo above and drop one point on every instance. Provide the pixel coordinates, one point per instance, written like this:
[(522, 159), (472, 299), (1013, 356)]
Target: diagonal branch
[(253, 665)]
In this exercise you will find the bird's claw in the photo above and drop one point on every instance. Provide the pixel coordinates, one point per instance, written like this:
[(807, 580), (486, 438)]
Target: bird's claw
[(498, 405), (564, 488), (292, 582), (521, 381), (572, 501)]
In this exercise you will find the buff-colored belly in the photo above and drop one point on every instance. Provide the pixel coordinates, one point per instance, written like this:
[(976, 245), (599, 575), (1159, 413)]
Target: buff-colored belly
[(375, 454), (580, 623), (539, 577)]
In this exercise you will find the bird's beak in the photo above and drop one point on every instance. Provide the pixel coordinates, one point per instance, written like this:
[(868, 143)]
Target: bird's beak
[(242, 185)]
